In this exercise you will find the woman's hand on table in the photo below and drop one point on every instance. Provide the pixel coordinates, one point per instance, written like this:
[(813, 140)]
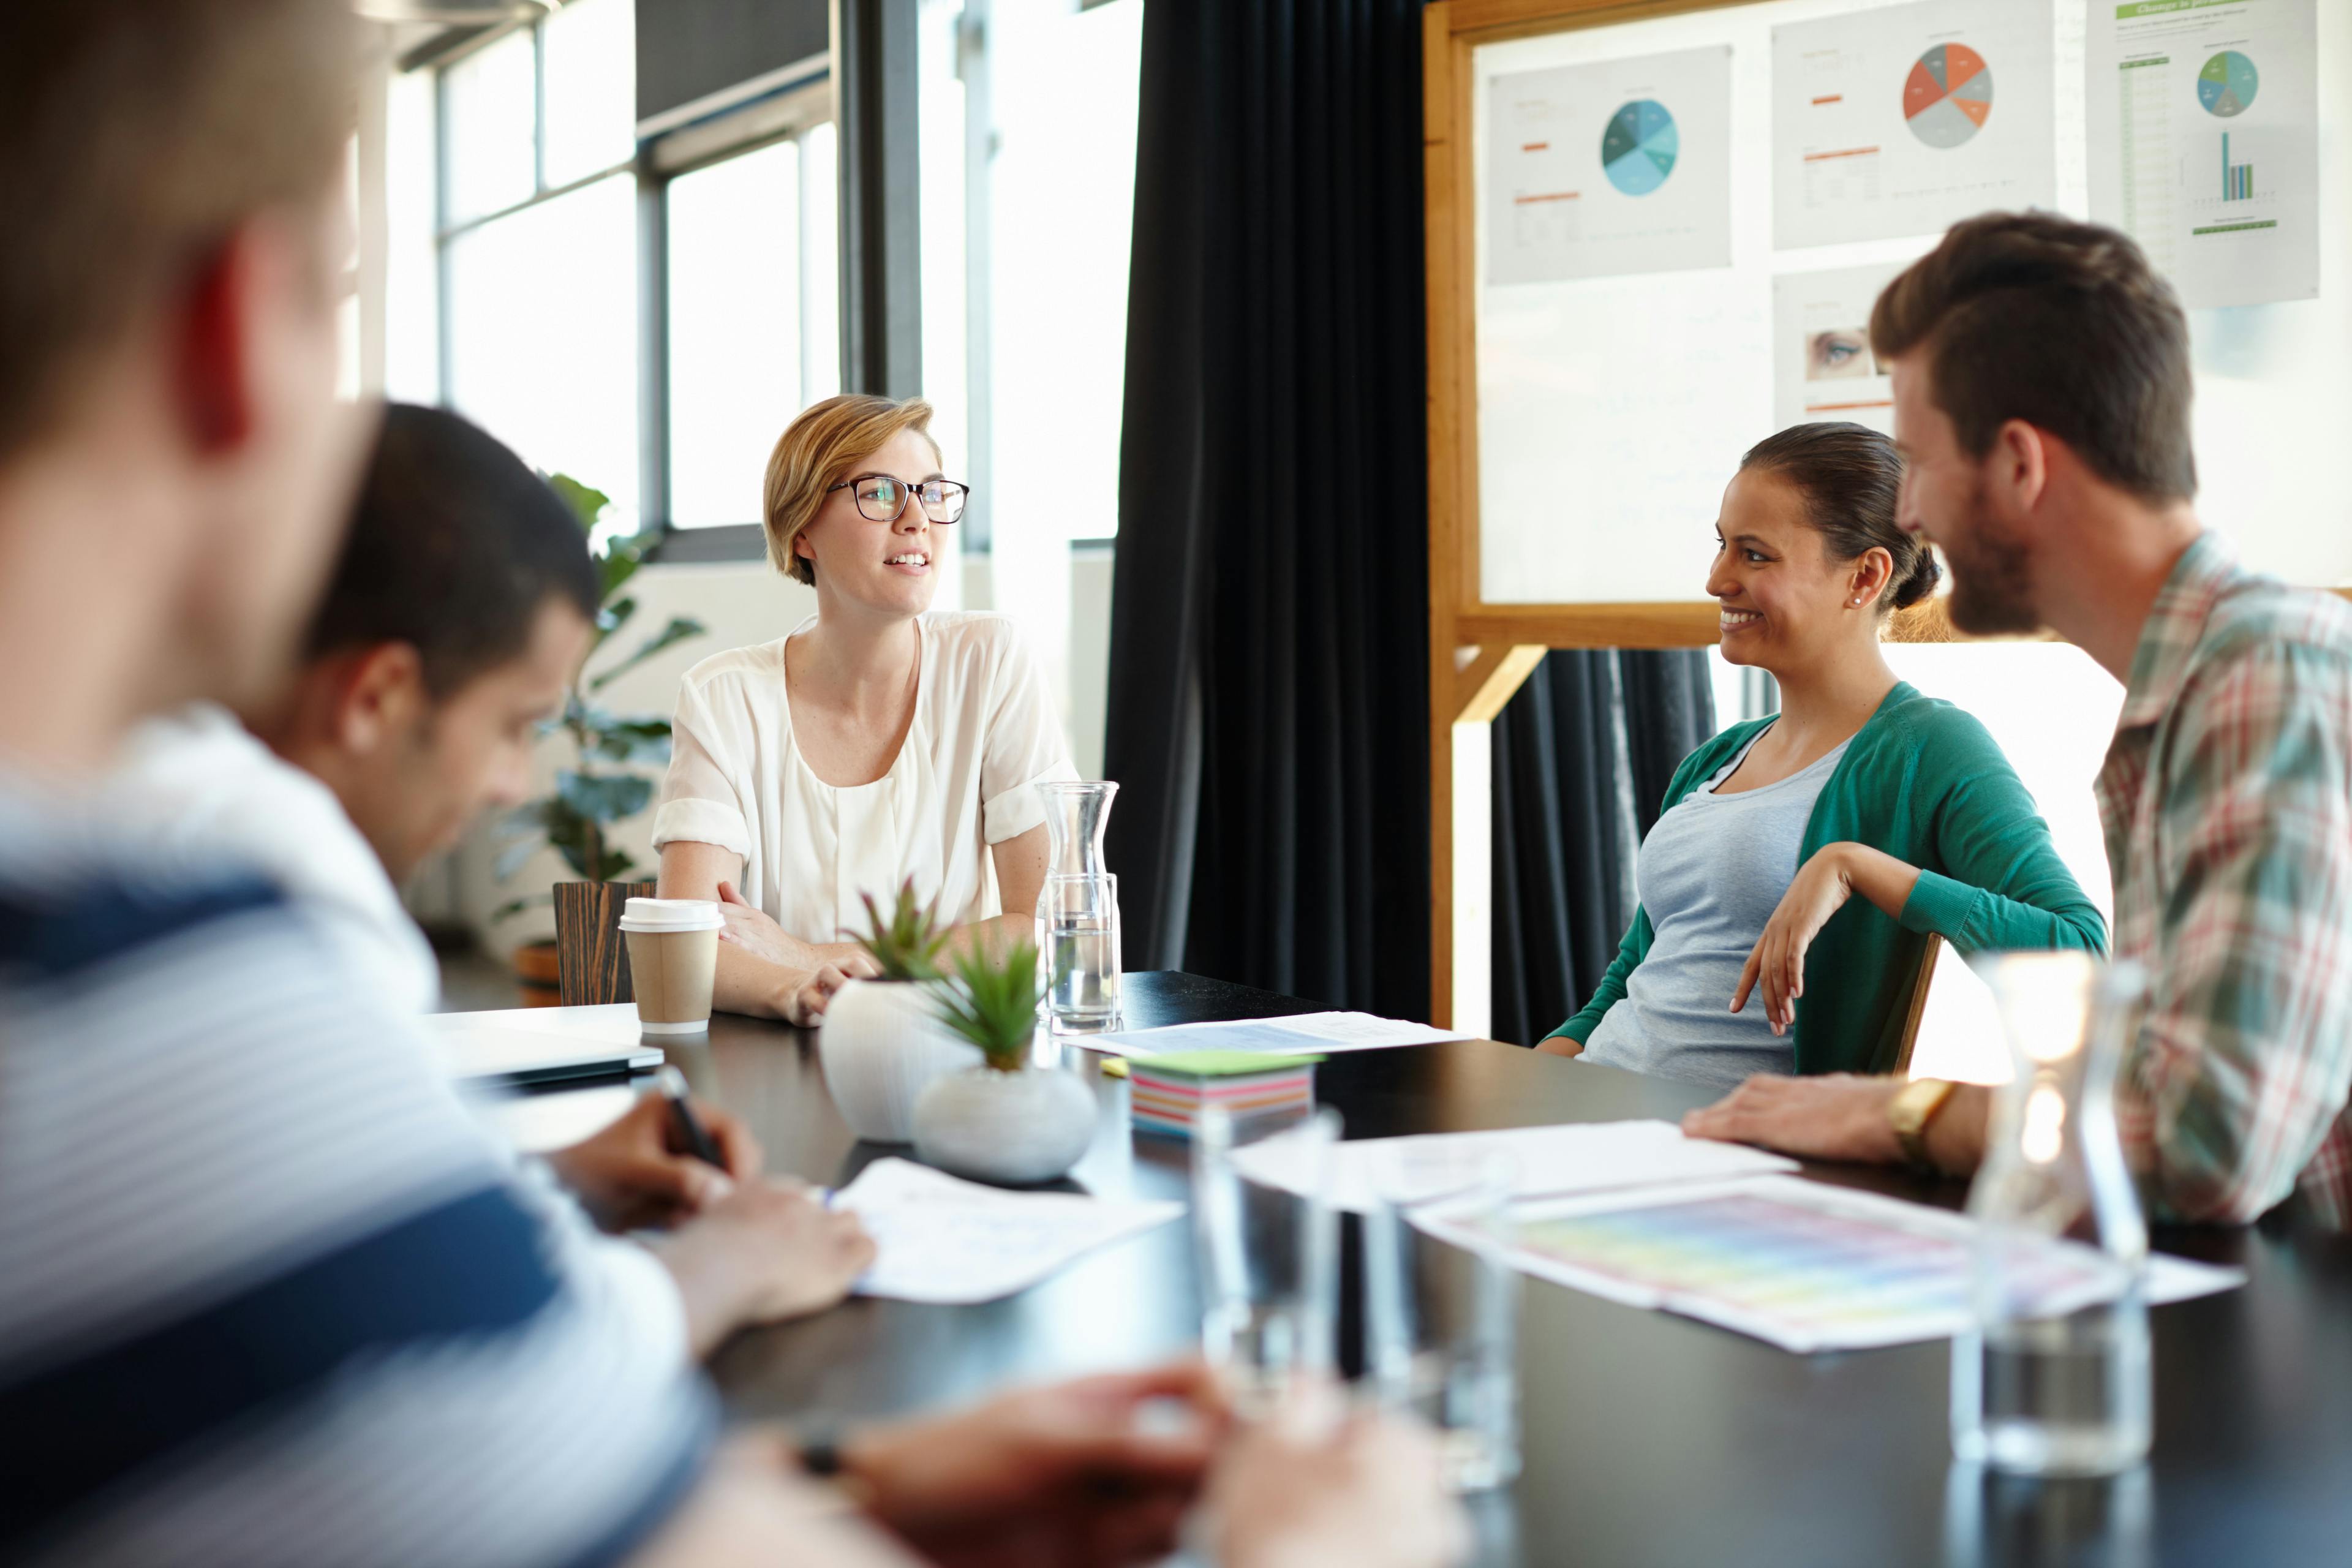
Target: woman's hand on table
[(1370, 1494), (1821, 887), (638, 1172), (1075, 1474), (766, 1251), (1836, 1116), (803, 998)]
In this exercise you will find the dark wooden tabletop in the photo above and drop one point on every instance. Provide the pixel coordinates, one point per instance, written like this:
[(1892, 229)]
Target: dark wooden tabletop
[(1648, 1438)]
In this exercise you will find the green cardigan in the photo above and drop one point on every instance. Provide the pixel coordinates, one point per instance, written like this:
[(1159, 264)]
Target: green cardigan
[(1922, 782)]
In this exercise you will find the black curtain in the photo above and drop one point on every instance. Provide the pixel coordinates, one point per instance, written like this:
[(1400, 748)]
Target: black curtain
[(1582, 756), (1268, 669)]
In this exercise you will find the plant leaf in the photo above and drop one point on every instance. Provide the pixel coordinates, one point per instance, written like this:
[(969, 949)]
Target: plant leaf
[(680, 628), (587, 501), (602, 797)]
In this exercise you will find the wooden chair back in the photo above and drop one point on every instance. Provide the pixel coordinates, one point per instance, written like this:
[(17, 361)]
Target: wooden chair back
[(592, 960), (1917, 1008)]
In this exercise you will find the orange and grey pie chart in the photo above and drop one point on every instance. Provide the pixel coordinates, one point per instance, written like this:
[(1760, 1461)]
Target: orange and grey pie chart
[(1948, 95)]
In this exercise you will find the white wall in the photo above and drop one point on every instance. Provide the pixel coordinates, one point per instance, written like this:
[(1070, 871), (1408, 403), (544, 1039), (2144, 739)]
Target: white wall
[(740, 604)]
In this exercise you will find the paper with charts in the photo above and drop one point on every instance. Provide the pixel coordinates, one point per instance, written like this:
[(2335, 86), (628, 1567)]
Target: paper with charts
[(1302, 1034), (1618, 166), (1822, 364), (1905, 121), (953, 1242), (2204, 142), (1799, 1264), (1547, 1161)]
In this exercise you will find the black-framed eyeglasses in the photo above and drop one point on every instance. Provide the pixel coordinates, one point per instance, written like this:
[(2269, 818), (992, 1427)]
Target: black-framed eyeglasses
[(880, 498)]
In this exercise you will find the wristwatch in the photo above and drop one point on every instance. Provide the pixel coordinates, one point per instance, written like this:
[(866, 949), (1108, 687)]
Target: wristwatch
[(1914, 1106)]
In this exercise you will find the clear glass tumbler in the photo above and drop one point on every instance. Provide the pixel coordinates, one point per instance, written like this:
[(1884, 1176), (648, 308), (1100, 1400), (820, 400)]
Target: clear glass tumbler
[(2055, 1378), (1077, 945), (1441, 1305), (1269, 1259)]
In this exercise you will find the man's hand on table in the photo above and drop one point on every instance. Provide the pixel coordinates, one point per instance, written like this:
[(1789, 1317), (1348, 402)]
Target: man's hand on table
[(638, 1172), (1367, 1494), (1837, 1116), (1074, 1475), (766, 1251)]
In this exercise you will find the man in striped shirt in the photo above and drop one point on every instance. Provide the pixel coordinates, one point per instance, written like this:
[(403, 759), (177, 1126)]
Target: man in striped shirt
[(267, 1293), (2042, 401)]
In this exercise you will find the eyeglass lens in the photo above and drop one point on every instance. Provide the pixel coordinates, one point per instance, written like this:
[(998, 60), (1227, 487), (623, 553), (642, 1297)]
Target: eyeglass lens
[(882, 499)]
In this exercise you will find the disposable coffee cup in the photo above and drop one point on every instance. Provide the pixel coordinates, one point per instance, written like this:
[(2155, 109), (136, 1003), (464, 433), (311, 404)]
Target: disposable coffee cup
[(673, 959)]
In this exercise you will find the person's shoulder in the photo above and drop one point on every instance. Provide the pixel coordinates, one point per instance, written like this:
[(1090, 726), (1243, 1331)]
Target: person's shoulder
[(979, 643), (2259, 618), (1911, 719), (754, 663)]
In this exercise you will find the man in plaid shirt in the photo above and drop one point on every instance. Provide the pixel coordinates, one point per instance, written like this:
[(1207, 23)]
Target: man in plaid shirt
[(2042, 401)]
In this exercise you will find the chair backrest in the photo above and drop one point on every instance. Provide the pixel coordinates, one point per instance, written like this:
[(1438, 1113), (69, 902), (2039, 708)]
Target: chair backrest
[(1917, 1008), (592, 961)]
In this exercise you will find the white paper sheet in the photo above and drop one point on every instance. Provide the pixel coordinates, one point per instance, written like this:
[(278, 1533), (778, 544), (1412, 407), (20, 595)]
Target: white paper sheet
[(1822, 364), (1308, 1034), (1577, 1157), (1619, 166), (2204, 142), (955, 1241), (1905, 121), (1797, 1264)]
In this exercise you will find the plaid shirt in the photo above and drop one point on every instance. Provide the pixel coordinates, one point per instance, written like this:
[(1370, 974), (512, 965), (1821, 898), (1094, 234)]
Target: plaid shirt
[(2227, 799)]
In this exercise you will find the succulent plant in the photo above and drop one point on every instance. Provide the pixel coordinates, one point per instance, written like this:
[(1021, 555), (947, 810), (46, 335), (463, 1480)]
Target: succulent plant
[(906, 946), (992, 1003)]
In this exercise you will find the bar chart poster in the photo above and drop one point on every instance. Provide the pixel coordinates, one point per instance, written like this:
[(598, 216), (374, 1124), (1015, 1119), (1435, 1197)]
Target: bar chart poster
[(1905, 121), (2204, 142), (1618, 166)]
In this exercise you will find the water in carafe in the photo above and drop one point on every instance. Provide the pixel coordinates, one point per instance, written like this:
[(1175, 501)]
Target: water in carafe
[(2054, 1379)]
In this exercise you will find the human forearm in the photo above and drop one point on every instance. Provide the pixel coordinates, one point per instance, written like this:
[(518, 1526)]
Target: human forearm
[(1560, 1045), (1877, 875), (1956, 1137)]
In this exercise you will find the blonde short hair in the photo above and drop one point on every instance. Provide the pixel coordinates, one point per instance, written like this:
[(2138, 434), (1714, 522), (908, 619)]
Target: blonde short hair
[(817, 451)]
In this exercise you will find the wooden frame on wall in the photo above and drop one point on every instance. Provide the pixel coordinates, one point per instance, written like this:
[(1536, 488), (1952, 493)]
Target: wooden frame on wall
[(1480, 653)]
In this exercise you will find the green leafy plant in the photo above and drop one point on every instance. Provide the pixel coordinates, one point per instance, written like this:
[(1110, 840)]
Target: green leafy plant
[(992, 1003), (905, 945), (604, 785)]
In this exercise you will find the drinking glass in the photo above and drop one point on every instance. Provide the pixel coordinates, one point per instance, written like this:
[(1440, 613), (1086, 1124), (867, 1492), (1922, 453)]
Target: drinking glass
[(1077, 943), (1442, 1304), (2054, 1380), (1269, 1258)]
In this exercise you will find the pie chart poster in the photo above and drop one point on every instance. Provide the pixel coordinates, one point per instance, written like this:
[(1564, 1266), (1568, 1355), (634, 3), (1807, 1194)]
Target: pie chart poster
[(1902, 122), (1595, 171)]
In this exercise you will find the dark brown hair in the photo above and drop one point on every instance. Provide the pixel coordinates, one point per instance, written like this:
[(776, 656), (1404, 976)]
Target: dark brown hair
[(134, 138), (2062, 324), (1851, 478)]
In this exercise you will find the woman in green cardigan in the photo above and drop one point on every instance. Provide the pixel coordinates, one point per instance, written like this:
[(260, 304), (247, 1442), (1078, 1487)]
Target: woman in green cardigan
[(1859, 785)]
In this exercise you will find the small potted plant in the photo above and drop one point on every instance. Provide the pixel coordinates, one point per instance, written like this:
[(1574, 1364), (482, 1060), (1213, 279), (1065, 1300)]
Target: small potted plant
[(1004, 1120), (882, 1041)]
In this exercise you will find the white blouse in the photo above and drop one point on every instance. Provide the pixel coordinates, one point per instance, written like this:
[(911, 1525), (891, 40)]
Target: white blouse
[(983, 735)]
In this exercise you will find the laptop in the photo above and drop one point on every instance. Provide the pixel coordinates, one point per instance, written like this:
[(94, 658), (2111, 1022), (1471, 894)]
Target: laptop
[(534, 1046)]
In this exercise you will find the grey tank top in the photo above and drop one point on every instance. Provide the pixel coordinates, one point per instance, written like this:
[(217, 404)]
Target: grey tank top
[(1710, 874)]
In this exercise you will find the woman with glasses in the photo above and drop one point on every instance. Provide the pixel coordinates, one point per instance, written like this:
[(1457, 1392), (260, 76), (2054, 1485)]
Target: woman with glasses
[(878, 742)]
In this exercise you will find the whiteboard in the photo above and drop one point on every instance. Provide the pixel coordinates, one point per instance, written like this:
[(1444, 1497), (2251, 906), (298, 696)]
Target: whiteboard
[(1611, 410)]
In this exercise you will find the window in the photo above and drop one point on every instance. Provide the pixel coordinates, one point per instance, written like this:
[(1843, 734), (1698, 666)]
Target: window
[(751, 269), (543, 307)]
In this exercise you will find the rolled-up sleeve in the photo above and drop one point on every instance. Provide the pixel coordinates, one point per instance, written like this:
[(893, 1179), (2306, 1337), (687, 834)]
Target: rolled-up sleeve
[(1025, 747), (700, 801)]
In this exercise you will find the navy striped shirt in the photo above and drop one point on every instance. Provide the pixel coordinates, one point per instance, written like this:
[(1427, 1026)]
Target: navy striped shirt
[(267, 1294)]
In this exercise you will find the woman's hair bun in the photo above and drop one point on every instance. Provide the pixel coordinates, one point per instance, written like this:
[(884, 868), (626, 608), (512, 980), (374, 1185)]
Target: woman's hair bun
[(1920, 581)]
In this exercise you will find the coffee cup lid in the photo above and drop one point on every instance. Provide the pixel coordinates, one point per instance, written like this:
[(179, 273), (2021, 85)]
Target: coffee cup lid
[(671, 914)]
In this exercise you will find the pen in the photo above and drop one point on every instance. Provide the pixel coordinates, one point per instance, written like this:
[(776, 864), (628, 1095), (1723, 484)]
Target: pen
[(698, 1141)]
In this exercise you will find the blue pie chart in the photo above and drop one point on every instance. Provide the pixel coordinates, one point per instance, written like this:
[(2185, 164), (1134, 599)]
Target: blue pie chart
[(1638, 149), (2227, 85)]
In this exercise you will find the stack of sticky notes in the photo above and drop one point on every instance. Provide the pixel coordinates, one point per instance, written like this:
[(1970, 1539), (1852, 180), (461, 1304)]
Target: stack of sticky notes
[(1170, 1092)]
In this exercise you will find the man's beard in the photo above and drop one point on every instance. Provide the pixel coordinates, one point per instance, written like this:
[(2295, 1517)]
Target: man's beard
[(1992, 592)]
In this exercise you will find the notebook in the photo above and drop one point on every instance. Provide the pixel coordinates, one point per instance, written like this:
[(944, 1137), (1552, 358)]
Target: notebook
[(558, 1045)]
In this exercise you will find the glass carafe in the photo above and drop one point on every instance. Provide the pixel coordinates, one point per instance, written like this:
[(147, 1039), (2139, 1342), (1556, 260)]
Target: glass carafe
[(2055, 1381), (1077, 910), (1076, 818)]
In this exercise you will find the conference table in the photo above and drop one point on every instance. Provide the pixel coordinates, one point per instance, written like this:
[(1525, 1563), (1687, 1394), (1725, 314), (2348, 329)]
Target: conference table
[(1648, 1438)]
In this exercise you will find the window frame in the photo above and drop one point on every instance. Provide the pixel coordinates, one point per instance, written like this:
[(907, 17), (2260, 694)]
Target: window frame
[(787, 110)]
